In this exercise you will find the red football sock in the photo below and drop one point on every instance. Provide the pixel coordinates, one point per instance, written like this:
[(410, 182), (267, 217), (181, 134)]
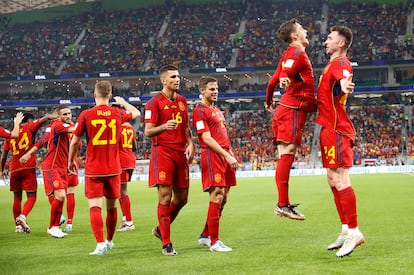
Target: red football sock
[(28, 205), (95, 217), (55, 212), (348, 203), (338, 205), (205, 232), (111, 220), (70, 206), (213, 220), (125, 203), (17, 206), (282, 178), (164, 223)]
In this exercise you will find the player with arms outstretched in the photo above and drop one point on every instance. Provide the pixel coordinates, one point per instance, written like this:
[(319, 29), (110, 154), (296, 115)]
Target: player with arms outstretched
[(337, 136), (294, 74)]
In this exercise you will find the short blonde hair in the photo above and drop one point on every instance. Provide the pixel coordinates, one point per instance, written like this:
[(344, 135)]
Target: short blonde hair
[(103, 88)]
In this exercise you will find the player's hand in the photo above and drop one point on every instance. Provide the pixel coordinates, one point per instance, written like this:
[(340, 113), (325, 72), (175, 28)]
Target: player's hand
[(233, 162), (72, 168), (284, 83), (23, 159), (18, 118), (347, 86), (269, 108), (171, 124), (119, 100), (189, 153)]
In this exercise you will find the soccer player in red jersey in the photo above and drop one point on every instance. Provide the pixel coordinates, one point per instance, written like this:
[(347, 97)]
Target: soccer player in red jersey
[(217, 162), (54, 167), (23, 176), (47, 164), (102, 128), (294, 74), (56, 163), (128, 163), (172, 149), (337, 136)]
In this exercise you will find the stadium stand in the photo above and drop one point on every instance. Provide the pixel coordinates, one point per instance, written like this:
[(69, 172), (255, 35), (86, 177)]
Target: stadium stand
[(143, 39)]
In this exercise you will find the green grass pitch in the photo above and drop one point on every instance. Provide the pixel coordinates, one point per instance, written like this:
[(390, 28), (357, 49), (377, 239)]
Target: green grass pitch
[(262, 243)]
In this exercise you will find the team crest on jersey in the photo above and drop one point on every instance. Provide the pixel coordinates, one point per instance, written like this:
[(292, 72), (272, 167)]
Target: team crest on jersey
[(181, 106), (162, 175), (217, 178), (55, 183)]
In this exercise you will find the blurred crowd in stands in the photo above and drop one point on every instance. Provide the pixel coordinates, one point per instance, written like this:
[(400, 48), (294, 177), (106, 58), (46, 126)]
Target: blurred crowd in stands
[(197, 36)]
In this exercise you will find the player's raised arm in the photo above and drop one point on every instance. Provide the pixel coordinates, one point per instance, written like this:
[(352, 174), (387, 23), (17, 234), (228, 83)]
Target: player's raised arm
[(16, 128), (128, 106)]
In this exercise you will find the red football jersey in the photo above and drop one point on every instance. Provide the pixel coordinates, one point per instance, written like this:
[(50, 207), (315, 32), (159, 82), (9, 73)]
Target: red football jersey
[(4, 133), (22, 144), (210, 119), (126, 155), (332, 100), (295, 65), (58, 145), (102, 127), (161, 109), (43, 141)]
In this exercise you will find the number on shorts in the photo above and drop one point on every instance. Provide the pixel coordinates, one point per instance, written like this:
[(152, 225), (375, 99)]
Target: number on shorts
[(330, 153)]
